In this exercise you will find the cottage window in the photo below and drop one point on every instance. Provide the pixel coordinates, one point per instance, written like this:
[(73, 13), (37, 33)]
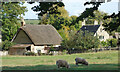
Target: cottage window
[(101, 37)]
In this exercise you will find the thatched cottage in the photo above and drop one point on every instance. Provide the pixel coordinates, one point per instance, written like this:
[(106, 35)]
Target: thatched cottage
[(35, 38)]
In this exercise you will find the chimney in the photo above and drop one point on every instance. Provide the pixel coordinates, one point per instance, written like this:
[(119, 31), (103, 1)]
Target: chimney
[(22, 22), (83, 23), (95, 22), (101, 22)]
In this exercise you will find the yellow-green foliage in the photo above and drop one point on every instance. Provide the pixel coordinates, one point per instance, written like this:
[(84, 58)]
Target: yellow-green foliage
[(112, 42), (81, 40)]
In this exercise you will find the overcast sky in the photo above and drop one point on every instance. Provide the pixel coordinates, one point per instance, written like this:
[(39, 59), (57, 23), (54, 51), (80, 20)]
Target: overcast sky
[(75, 7)]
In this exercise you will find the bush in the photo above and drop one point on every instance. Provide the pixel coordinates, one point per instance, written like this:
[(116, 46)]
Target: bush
[(6, 44), (30, 54), (104, 44), (81, 40), (112, 42), (52, 48)]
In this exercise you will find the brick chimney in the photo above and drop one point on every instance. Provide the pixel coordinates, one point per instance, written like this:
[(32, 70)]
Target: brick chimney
[(22, 22), (101, 22), (95, 22)]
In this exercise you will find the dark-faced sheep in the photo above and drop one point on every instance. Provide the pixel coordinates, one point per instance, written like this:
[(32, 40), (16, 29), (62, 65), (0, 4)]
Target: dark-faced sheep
[(62, 63), (81, 61)]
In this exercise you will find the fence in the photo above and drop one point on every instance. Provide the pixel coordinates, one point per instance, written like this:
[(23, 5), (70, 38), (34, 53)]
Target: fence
[(93, 50), (103, 49), (3, 53)]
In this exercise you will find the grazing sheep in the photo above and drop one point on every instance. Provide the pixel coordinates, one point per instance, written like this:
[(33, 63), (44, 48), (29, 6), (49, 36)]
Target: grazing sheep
[(81, 61), (62, 63)]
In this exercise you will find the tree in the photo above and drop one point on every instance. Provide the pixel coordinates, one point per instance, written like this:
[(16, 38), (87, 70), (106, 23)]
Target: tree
[(99, 15), (81, 40), (52, 13), (104, 44), (47, 7), (10, 13), (112, 42), (6, 44), (56, 19), (114, 24), (89, 11), (111, 26), (118, 30), (73, 18)]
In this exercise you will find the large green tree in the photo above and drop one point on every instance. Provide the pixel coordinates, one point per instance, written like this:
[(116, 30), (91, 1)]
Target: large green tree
[(11, 13), (114, 24), (47, 7), (52, 13), (80, 40), (56, 19), (89, 11), (99, 15)]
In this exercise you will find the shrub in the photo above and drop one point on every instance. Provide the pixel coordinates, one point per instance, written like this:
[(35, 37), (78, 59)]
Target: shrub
[(112, 42), (6, 44), (30, 54), (52, 48), (104, 44), (81, 40)]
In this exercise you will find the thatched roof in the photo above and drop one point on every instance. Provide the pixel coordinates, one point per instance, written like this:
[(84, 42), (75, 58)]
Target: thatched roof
[(42, 34), (20, 46)]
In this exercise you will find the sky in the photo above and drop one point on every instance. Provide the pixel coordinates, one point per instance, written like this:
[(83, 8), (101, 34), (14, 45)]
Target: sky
[(75, 7)]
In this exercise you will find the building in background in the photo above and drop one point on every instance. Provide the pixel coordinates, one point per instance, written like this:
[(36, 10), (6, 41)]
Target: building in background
[(97, 30)]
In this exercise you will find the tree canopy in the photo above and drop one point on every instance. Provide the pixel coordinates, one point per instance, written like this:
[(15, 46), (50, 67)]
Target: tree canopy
[(47, 7), (80, 40), (111, 26), (89, 11), (10, 13)]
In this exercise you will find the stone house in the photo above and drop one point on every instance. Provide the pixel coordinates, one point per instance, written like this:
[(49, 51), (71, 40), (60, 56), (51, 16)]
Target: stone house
[(35, 38), (97, 30)]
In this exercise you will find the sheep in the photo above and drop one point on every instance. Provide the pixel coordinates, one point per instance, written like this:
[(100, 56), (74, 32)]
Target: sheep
[(81, 61), (62, 63)]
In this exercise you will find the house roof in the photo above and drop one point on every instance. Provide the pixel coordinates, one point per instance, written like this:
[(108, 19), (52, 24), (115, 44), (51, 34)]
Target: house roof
[(42, 34), (90, 28)]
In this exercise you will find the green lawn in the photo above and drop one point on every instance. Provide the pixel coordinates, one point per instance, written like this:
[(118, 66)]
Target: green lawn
[(106, 60)]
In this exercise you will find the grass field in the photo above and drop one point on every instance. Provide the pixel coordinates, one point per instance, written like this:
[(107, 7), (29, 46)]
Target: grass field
[(106, 60), (31, 21)]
